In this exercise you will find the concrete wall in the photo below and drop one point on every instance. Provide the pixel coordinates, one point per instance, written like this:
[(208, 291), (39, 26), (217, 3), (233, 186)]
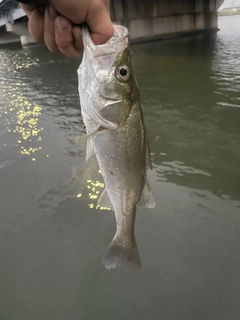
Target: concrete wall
[(148, 19)]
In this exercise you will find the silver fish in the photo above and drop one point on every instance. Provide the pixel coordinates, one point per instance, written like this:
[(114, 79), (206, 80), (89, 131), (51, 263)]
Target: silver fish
[(112, 114)]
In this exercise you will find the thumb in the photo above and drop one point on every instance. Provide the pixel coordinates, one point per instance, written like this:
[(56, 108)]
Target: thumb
[(99, 22)]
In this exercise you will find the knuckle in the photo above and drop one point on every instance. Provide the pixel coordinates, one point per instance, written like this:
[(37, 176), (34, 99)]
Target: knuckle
[(54, 50), (64, 43)]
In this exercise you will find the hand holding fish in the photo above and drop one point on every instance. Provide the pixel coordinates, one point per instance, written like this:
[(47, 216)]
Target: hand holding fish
[(55, 23)]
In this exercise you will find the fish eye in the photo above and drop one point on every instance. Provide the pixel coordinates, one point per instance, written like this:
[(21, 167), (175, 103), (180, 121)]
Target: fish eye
[(123, 73)]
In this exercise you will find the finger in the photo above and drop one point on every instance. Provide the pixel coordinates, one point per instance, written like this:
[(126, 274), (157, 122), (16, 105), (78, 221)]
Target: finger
[(106, 2), (99, 22), (64, 37), (36, 25), (74, 10), (77, 39), (49, 29), (27, 8)]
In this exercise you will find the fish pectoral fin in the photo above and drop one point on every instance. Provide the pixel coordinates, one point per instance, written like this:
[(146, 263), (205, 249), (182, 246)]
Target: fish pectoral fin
[(89, 149), (104, 200), (79, 139), (147, 198)]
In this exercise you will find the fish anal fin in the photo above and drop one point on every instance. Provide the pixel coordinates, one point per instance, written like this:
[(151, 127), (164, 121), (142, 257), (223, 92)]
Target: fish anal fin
[(104, 200), (147, 198), (89, 149)]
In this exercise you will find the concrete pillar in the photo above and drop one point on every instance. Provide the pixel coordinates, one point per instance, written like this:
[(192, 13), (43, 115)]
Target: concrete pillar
[(21, 29), (18, 28), (27, 41)]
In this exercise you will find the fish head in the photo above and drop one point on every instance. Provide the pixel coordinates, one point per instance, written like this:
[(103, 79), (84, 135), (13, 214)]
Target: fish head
[(117, 81), (117, 88), (107, 84)]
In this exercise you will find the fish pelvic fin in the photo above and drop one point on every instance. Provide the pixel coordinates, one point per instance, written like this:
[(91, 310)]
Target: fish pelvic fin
[(147, 198), (119, 255)]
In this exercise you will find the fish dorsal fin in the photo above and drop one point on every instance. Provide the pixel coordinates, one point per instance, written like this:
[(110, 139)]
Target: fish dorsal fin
[(104, 200), (148, 155), (146, 199), (89, 148)]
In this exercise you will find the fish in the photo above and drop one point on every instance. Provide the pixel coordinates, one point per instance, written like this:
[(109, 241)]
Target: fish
[(116, 135)]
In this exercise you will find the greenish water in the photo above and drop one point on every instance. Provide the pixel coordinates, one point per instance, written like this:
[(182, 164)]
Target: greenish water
[(228, 13), (51, 236)]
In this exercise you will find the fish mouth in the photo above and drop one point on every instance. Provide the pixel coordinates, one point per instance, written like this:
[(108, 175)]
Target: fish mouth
[(110, 102), (116, 98)]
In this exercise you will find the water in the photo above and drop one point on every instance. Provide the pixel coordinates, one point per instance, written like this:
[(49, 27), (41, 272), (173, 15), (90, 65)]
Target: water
[(52, 237)]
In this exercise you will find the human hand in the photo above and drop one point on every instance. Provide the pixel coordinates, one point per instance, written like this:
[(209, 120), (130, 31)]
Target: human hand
[(54, 24)]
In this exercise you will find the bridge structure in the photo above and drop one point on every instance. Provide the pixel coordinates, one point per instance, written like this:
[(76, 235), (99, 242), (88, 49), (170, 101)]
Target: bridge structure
[(145, 19), (230, 6), (13, 24), (10, 11)]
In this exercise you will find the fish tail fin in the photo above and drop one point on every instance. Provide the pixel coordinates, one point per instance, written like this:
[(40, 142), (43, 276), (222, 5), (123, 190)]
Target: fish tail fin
[(118, 255)]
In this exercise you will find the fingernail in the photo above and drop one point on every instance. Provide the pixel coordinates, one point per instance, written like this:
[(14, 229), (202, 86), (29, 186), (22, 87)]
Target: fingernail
[(62, 25), (52, 12)]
